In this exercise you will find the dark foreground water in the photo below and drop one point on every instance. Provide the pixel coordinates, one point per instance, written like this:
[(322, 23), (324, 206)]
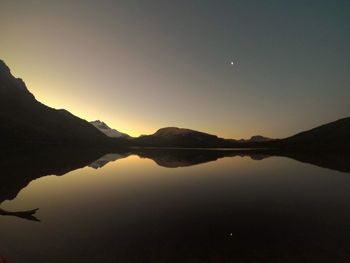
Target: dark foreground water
[(182, 206)]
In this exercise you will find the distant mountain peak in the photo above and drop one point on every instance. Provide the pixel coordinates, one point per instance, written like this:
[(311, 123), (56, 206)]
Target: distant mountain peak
[(259, 138), (104, 128), (255, 138), (100, 125), (171, 131), (175, 131)]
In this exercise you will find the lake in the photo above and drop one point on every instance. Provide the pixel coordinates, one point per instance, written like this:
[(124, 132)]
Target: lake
[(174, 206)]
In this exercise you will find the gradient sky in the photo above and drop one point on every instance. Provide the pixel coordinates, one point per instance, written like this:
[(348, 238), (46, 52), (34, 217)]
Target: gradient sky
[(142, 65)]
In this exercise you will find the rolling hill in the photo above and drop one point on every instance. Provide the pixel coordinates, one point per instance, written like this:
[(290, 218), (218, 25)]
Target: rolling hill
[(331, 135), (180, 137)]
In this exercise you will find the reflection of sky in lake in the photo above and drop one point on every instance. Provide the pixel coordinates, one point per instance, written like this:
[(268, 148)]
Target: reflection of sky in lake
[(134, 197)]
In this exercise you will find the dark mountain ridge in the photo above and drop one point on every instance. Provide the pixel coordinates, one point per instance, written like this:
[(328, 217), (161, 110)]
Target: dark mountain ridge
[(23, 119), (180, 137), (334, 134)]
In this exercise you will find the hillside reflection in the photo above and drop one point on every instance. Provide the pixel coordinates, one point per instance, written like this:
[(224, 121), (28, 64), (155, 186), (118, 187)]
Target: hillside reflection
[(144, 205), (20, 167), (173, 158)]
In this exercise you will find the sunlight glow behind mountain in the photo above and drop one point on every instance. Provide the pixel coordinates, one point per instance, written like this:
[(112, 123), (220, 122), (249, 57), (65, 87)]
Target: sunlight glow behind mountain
[(143, 65)]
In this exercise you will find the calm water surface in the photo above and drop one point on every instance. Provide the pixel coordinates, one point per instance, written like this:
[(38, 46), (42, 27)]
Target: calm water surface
[(123, 208)]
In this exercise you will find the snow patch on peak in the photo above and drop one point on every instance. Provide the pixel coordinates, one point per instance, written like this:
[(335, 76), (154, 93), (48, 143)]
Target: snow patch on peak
[(104, 128)]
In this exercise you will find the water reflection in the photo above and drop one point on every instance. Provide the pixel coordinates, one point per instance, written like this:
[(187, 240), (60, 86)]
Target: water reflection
[(173, 158), (20, 167), (109, 157), (115, 207)]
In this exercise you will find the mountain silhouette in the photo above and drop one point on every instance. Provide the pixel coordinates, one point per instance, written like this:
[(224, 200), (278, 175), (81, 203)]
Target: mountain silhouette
[(335, 135), (180, 137), (23, 119)]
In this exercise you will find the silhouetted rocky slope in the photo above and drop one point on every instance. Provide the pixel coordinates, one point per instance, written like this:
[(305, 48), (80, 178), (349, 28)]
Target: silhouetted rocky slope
[(25, 120), (334, 136), (331, 135)]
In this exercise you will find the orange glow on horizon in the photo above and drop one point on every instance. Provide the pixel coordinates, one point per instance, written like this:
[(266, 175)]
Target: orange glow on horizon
[(54, 98)]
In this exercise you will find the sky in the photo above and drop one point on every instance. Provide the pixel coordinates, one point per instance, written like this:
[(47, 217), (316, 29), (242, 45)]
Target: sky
[(143, 65)]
